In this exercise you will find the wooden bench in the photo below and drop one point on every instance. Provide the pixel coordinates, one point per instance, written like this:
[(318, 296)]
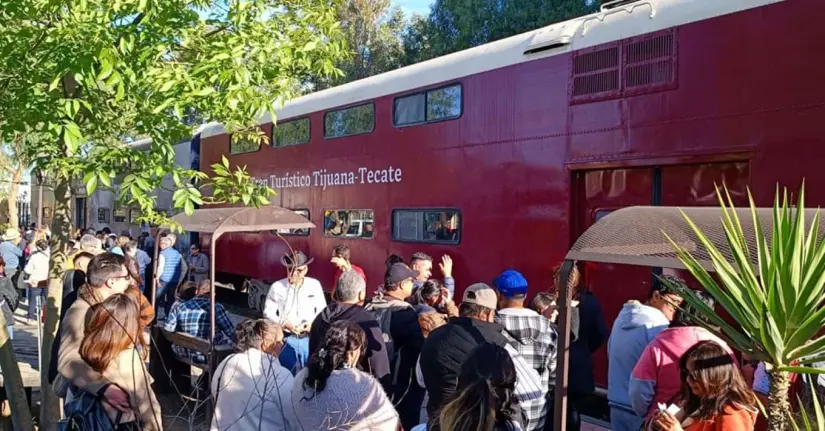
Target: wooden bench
[(172, 373)]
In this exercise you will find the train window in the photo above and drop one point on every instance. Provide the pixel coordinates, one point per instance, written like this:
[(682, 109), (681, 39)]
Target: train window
[(444, 103), (133, 216), (410, 109), (295, 132), (432, 105), (426, 225), (238, 145), (295, 232), (349, 121), (349, 223), (103, 215)]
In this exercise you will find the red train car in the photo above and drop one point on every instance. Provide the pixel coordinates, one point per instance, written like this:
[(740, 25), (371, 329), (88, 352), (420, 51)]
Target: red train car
[(501, 155)]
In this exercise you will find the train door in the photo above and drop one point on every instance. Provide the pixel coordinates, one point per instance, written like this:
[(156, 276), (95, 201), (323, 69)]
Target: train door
[(598, 192)]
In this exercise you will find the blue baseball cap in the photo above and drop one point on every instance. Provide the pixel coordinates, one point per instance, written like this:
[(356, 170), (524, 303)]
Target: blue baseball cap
[(511, 283)]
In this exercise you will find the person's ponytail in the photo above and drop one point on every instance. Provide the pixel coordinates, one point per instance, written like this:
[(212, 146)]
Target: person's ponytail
[(474, 409), (341, 337)]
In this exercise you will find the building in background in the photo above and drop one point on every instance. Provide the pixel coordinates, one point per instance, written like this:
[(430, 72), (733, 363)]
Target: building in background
[(102, 209)]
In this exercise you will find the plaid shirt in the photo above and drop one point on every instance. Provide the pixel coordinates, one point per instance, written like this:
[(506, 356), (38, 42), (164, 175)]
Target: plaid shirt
[(192, 317), (536, 340)]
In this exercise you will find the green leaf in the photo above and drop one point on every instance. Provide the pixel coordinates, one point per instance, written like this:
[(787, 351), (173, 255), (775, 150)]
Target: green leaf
[(103, 178), (105, 69), (167, 86), (91, 185)]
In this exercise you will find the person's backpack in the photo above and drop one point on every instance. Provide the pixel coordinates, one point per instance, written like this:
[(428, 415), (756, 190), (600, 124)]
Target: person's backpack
[(382, 310), (86, 413)]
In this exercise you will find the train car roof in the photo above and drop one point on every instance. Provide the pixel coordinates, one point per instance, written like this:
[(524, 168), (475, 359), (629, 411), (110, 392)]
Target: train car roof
[(610, 24)]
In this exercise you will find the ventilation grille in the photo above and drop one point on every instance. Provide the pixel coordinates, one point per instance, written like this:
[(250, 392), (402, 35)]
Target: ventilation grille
[(596, 83), (650, 62), (596, 61), (637, 66), (596, 73), (650, 49)]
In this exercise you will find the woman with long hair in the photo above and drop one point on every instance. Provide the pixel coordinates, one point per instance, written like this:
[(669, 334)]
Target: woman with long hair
[(250, 388), (485, 397), (331, 393), (714, 394), (109, 346)]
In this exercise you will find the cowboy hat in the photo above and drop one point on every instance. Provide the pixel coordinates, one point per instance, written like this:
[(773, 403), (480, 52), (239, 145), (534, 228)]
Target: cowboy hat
[(297, 259), (10, 234)]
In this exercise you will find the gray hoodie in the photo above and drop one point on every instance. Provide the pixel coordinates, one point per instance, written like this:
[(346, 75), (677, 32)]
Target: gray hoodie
[(637, 325)]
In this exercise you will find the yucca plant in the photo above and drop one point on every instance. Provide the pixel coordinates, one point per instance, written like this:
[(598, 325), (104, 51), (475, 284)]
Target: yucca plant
[(777, 303), (809, 421)]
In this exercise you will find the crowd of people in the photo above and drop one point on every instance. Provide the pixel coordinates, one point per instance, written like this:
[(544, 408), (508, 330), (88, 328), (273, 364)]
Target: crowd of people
[(410, 357)]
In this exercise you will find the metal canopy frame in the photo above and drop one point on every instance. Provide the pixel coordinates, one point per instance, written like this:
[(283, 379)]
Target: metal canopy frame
[(216, 222), (639, 236)]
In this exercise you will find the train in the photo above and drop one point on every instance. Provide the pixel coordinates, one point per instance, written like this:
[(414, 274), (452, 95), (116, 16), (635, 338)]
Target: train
[(501, 155)]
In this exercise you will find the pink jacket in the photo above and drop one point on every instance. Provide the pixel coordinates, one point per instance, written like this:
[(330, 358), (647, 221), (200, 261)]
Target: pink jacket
[(657, 377)]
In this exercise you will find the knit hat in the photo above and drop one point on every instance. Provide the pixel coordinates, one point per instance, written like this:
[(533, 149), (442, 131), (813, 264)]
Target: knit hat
[(511, 283)]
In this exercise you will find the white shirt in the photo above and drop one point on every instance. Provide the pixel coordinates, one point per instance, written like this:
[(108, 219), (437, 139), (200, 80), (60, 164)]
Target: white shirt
[(253, 392), (295, 305), (37, 267)]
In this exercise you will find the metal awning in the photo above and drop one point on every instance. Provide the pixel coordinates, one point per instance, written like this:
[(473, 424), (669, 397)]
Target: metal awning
[(241, 219), (217, 221), (636, 235)]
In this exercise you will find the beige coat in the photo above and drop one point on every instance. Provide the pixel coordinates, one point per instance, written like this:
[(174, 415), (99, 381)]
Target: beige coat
[(69, 363), (128, 371)]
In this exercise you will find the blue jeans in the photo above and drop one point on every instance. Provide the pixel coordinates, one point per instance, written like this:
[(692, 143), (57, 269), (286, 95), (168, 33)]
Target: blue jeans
[(295, 353), (165, 295), (32, 294)]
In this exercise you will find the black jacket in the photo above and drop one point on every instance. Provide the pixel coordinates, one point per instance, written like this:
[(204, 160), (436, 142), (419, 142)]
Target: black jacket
[(592, 334), (446, 349), (376, 361)]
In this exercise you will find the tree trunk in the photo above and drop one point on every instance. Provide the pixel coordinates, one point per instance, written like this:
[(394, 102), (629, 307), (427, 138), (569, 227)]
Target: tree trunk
[(61, 230), (779, 406), (21, 415), (14, 190)]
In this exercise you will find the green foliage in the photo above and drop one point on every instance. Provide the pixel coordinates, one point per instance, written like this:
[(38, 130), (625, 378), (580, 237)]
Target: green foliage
[(778, 302), (372, 30), (813, 420), (85, 75), (454, 25)]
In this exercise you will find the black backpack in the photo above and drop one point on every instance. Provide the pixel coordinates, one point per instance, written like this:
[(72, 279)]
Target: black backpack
[(86, 413), (382, 310)]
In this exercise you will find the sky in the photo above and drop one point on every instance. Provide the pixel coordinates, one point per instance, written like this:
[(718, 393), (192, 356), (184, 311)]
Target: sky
[(421, 7)]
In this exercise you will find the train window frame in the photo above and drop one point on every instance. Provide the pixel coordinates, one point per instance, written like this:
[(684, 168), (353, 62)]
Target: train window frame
[(348, 237), (423, 210), (426, 93), (235, 153), (273, 142), (331, 111), (308, 230)]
